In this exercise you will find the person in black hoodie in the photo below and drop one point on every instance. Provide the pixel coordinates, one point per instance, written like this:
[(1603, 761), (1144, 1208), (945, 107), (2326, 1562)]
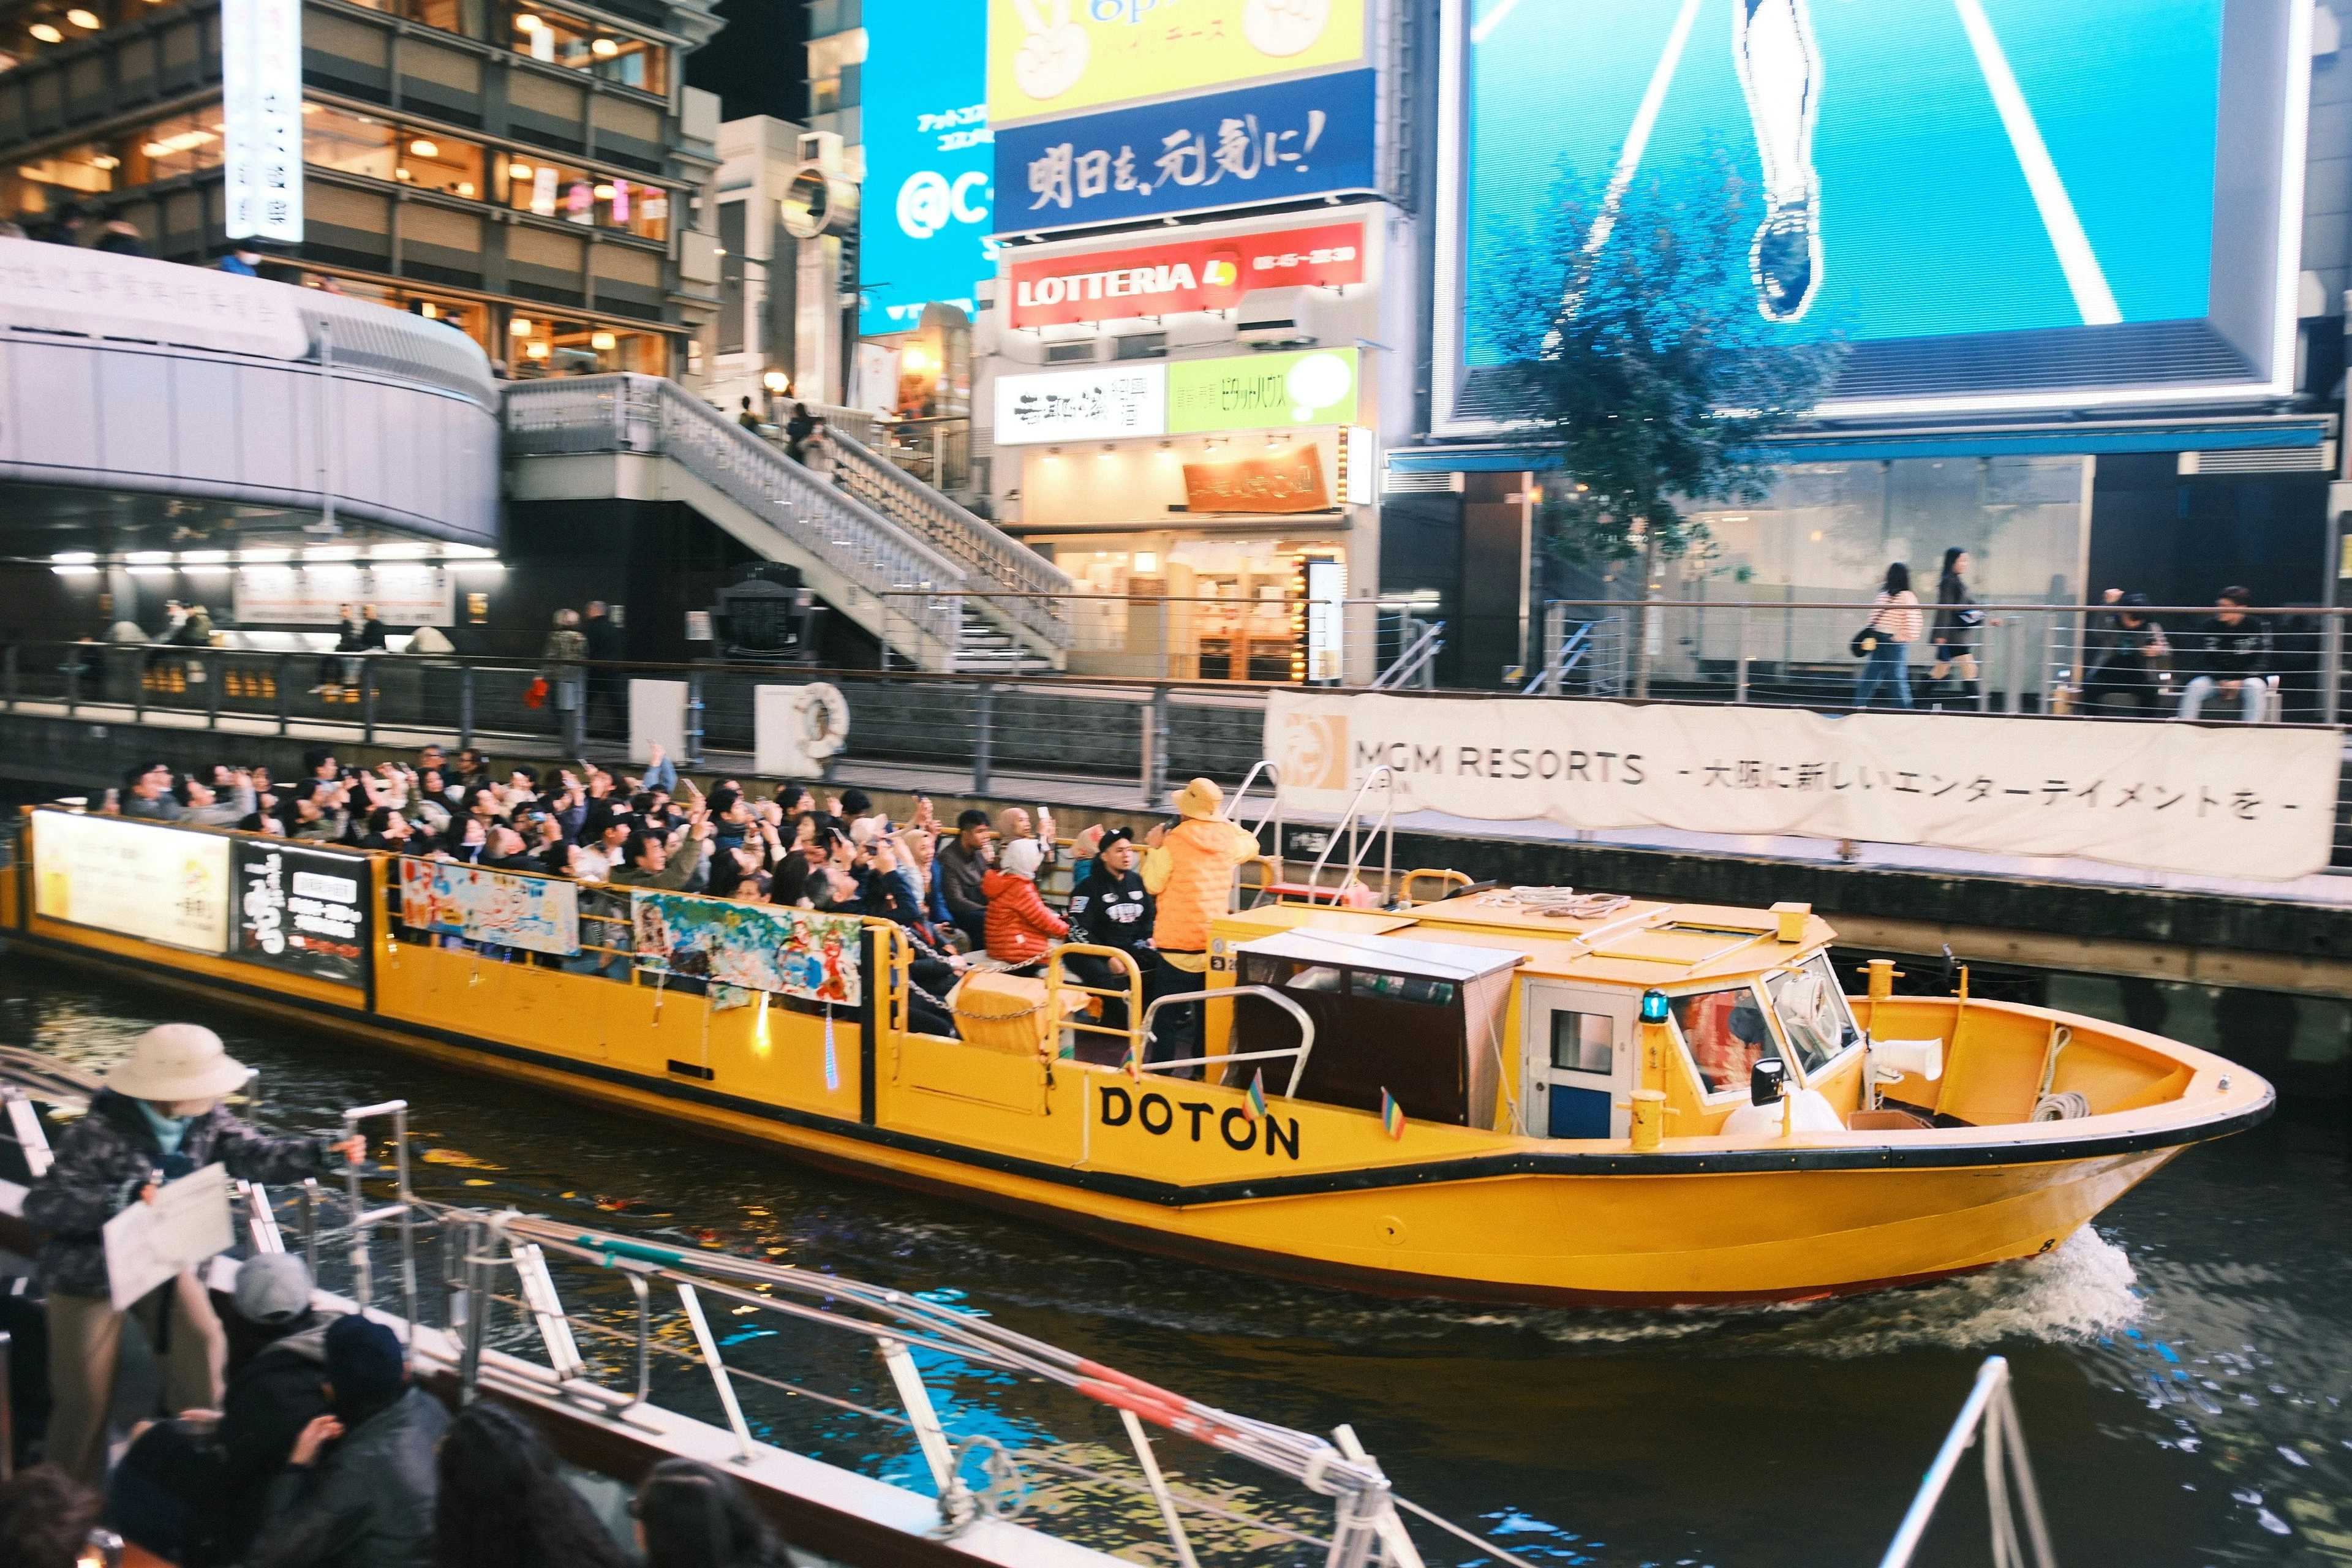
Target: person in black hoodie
[(2120, 655), (360, 1482), (193, 1491), (1109, 907), (2230, 652)]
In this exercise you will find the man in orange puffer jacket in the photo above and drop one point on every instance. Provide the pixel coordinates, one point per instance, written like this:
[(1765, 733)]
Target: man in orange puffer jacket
[(1189, 875), (1020, 926)]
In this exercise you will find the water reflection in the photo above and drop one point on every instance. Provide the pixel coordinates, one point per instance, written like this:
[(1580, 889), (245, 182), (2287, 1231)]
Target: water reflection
[(2181, 1370)]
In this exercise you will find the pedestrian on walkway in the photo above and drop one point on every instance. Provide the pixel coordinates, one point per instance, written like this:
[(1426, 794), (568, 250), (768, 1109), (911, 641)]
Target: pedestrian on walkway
[(607, 695), (157, 1120), (560, 661), (1958, 629), (1895, 626)]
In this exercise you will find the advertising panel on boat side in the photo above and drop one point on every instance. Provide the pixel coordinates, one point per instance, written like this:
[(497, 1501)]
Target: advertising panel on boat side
[(2234, 801), (301, 910), (133, 879), (538, 914), (794, 953)]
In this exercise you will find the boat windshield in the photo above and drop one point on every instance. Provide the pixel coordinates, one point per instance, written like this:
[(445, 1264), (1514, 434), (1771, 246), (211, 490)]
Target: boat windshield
[(1813, 1010), (1726, 1034)]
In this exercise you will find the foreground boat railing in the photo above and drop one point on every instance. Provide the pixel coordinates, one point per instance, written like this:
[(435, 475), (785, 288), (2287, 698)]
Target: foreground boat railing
[(1990, 1413)]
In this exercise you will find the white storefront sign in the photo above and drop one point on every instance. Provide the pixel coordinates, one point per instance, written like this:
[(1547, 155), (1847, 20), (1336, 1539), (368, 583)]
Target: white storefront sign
[(1082, 405), (261, 105), (404, 595), (2230, 801), (134, 879)]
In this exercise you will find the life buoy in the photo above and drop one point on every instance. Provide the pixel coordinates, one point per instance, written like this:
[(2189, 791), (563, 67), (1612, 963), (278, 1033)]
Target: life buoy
[(824, 718)]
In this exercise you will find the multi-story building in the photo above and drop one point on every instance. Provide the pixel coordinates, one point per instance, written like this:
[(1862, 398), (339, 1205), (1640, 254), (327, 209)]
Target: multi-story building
[(534, 177)]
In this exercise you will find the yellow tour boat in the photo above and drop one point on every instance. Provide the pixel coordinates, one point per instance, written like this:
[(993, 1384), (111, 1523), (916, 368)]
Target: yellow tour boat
[(1517, 1095)]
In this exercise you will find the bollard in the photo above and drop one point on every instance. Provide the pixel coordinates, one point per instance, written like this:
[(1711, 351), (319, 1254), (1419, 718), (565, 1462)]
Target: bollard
[(983, 736), (1883, 975), (1650, 1113)]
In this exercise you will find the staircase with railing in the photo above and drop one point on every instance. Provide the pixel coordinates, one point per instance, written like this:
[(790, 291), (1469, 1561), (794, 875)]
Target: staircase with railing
[(1028, 591), (883, 548)]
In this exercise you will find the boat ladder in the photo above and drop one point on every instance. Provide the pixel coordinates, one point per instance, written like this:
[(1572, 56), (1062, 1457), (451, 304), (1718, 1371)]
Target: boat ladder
[(2009, 1493)]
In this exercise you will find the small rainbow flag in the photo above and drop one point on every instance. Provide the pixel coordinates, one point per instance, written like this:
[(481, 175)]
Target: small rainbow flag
[(1257, 1095), (1134, 1063), (1392, 1115)]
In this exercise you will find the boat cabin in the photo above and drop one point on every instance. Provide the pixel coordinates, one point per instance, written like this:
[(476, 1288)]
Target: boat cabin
[(1519, 1010)]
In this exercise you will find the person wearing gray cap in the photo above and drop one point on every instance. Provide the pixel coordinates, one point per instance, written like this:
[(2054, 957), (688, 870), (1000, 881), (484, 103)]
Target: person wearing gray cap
[(194, 1491), (158, 1118)]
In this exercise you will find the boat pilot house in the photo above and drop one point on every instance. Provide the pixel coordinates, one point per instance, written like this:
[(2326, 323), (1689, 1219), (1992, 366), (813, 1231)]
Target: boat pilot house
[(1421, 1021)]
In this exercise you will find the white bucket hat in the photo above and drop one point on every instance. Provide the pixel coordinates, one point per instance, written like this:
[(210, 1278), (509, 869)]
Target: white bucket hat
[(178, 1061), (1020, 858)]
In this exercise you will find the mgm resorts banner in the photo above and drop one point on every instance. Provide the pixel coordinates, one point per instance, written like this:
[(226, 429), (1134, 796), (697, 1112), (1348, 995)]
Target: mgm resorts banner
[(302, 909), (2229, 800)]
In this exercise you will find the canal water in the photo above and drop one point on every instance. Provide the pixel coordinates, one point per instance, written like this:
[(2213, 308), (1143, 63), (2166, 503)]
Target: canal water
[(2181, 1369)]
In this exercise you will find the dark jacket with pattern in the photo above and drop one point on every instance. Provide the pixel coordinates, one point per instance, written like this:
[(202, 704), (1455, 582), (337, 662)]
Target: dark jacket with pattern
[(368, 1502), (102, 1161)]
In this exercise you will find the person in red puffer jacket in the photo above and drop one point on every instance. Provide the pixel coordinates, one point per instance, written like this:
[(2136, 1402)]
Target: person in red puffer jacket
[(1019, 923)]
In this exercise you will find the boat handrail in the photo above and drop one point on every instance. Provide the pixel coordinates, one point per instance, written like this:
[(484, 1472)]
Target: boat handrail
[(1265, 768), (1226, 994), (1057, 981), (1991, 1407), (1386, 777)]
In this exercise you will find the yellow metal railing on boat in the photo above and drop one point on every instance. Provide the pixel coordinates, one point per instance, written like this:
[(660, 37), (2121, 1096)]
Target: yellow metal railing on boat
[(1057, 981)]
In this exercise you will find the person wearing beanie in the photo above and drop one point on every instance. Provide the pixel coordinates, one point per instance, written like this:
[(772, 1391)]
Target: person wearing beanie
[(1189, 871), (1110, 907), (194, 1493), (360, 1482), (158, 1119), (1020, 926)]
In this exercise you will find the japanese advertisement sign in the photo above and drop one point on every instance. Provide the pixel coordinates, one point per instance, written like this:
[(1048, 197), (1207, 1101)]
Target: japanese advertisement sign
[(409, 594), (1262, 392), (1182, 275), (261, 111), (928, 157), (1291, 482), (1058, 57), (538, 914), (133, 879), (796, 953), (1278, 142), (1082, 405), (303, 910), (2236, 801)]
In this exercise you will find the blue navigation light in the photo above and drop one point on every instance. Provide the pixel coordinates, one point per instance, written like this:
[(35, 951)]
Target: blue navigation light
[(1653, 1006)]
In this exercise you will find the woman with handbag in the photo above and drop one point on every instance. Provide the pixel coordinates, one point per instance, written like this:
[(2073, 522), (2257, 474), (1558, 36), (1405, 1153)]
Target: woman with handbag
[(1884, 643), (1957, 628)]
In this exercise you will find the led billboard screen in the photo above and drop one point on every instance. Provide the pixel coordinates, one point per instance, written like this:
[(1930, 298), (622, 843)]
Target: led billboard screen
[(1049, 57), (923, 236), (1986, 198)]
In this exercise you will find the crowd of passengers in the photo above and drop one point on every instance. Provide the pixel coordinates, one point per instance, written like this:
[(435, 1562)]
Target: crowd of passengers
[(967, 895), (272, 1427)]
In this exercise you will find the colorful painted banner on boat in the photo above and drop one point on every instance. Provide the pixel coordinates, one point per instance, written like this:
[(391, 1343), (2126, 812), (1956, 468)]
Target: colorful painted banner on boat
[(538, 914), (795, 952), (2225, 800)]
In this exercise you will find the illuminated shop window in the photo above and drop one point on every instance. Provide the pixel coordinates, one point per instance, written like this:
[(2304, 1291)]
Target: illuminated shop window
[(583, 47), (592, 200), (543, 346), (363, 145)]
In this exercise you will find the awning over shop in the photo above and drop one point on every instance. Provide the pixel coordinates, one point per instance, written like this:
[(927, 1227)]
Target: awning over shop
[(1977, 441)]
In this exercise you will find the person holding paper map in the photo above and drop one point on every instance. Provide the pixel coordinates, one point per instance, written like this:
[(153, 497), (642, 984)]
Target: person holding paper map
[(158, 1120)]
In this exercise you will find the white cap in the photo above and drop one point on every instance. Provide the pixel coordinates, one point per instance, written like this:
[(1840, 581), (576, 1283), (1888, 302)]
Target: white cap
[(178, 1061), (1020, 857)]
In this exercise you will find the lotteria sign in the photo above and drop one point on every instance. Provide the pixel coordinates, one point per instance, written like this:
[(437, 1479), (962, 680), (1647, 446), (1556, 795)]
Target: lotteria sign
[(1182, 275)]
